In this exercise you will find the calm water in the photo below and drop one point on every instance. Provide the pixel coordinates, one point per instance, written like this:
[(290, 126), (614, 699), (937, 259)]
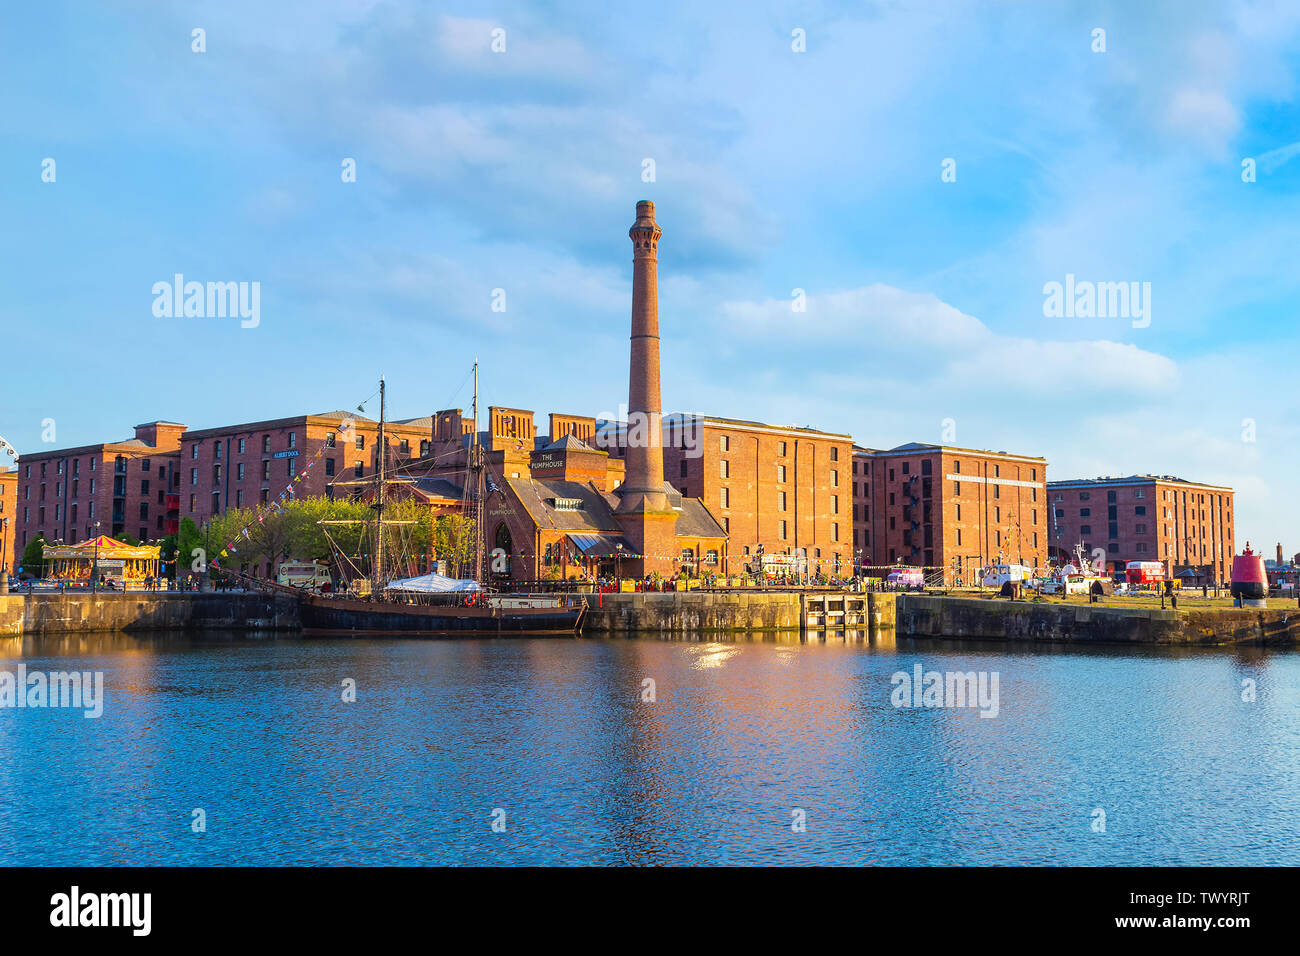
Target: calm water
[(743, 733)]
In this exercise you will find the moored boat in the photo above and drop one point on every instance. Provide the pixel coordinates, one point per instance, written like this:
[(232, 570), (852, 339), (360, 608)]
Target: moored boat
[(434, 605)]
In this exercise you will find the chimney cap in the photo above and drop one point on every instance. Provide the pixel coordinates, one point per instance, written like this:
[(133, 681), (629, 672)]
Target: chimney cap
[(645, 207)]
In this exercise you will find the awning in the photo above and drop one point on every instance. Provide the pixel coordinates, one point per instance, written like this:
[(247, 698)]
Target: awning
[(433, 584), (602, 545)]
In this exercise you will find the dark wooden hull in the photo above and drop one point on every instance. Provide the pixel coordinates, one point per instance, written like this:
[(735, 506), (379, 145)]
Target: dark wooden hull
[(325, 616)]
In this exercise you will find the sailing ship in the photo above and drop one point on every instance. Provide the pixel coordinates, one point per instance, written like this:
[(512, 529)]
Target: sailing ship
[(385, 609)]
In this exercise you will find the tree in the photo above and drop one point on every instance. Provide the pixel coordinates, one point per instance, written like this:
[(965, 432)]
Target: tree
[(34, 557)]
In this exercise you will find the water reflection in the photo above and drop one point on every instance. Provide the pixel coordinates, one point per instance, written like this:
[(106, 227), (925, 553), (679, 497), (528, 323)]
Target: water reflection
[(740, 739)]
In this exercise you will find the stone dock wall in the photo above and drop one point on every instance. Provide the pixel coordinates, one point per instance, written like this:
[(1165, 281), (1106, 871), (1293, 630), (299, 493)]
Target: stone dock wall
[(951, 618), (52, 613), (704, 612)]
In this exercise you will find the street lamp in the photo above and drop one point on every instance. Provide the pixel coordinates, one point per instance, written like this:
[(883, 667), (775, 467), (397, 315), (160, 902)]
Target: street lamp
[(618, 564)]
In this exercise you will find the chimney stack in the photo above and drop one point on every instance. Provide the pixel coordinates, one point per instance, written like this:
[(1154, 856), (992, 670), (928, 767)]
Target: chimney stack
[(644, 511)]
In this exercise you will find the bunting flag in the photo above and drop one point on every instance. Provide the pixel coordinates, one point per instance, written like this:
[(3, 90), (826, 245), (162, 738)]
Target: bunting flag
[(272, 507)]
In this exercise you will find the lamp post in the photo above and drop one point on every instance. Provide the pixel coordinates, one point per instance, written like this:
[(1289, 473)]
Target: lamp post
[(618, 565), (94, 570)]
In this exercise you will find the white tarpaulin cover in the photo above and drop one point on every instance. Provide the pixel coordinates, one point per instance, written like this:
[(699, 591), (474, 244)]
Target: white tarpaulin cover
[(433, 583)]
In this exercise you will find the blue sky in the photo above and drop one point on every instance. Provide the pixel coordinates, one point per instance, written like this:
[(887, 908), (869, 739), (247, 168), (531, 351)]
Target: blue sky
[(774, 170)]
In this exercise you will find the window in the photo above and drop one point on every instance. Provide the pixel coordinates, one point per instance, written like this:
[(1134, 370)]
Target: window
[(266, 469), (1140, 529), (1141, 510), (360, 443), (329, 467), (241, 445), (1140, 493), (958, 515), (959, 535), (835, 504), (144, 511), (835, 531), (216, 503), (711, 557), (144, 486), (194, 452), (216, 451), (1085, 529), (780, 472), (835, 453), (266, 444), (956, 467), (1083, 513), (194, 476), (239, 471), (724, 443), (144, 465), (835, 478), (724, 468), (781, 530), (359, 468), (780, 502), (726, 498), (682, 469), (193, 503), (293, 439), (293, 467), (906, 466), (780, 448), (956, 488)]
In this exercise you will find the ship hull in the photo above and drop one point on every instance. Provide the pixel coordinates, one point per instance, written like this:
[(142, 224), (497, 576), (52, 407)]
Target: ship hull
[(346, 617)]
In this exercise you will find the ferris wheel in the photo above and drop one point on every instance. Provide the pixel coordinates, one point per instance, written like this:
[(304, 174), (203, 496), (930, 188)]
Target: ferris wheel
[(9, 450)]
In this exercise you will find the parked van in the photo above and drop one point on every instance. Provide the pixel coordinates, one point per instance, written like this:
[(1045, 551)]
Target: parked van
[(304, 574), (996, 575)]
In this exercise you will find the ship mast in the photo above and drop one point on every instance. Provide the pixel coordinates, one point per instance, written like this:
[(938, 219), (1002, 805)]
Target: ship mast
[(476, 472), (379, 505)]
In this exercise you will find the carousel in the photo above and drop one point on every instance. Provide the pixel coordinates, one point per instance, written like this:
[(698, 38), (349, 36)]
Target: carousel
[(122, 565)]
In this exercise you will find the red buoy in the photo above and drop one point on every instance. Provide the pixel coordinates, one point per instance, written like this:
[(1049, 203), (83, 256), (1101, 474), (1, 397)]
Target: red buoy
[(1248, 577)]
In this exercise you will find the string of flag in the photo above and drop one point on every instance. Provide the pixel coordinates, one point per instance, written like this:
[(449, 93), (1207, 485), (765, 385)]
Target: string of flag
[(272, 507)]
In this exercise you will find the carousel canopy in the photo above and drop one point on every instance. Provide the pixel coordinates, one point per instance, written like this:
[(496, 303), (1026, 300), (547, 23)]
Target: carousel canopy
[(433, 584), (102, 546)]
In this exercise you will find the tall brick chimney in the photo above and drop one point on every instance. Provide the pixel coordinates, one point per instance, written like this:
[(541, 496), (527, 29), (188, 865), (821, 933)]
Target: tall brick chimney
[(647, 518)]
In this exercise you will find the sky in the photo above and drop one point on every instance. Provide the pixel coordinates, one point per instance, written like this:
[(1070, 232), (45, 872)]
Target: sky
[(864, 206)]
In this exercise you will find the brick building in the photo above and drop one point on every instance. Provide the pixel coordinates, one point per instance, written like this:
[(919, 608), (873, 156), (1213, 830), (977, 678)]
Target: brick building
[(248, 465), (551, 499), (114, 488), (777, 490), (955, 509), (8, 524), (1146, 518)]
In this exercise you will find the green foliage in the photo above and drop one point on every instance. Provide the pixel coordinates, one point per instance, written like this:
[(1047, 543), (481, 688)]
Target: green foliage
[(33, 557), (295, 532)]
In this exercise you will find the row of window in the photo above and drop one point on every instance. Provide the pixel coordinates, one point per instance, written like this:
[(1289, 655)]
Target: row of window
[(782, 448)]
